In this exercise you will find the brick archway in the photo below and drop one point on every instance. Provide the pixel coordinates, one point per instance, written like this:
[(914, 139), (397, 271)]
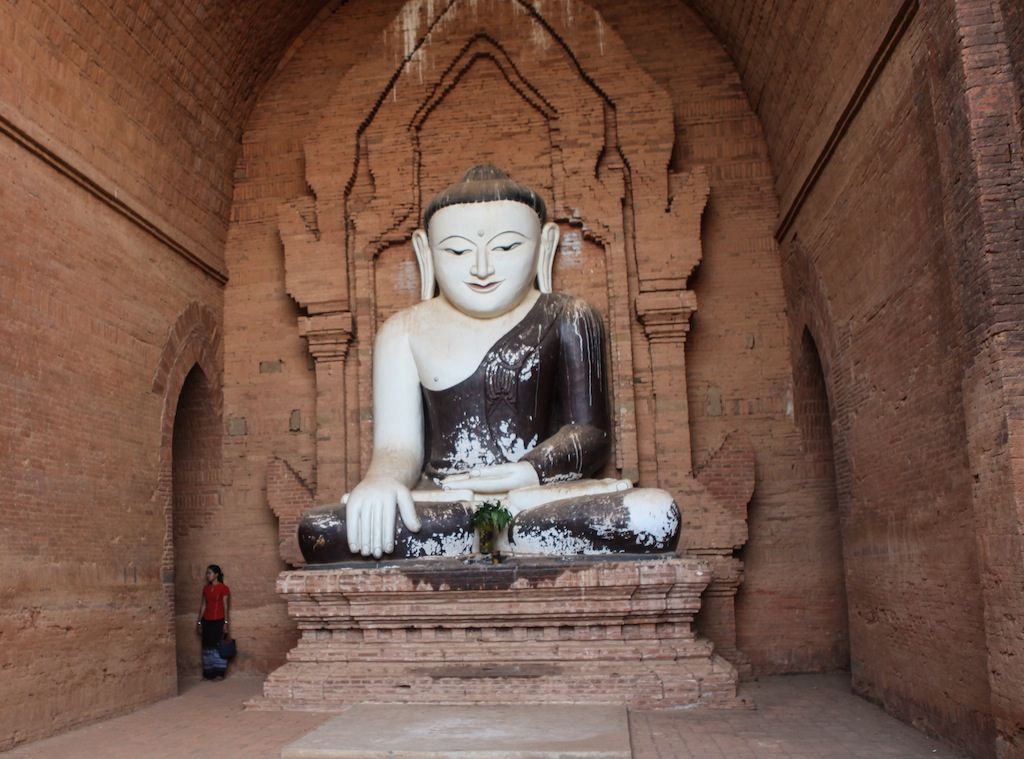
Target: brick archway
[(189, 379), (818, 401)]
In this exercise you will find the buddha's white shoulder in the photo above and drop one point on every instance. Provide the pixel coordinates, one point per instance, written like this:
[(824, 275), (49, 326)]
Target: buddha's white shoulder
[(422, 318)]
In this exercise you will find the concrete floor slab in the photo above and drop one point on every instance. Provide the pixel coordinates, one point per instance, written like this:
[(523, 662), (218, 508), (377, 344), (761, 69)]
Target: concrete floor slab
[(797, 717), (428, 731)]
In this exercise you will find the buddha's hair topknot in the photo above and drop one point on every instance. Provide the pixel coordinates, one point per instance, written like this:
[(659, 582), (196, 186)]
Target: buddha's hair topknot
[(483, 184)]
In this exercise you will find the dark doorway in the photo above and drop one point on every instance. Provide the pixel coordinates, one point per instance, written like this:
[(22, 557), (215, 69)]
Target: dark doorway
[(195, 479), (826, 611)]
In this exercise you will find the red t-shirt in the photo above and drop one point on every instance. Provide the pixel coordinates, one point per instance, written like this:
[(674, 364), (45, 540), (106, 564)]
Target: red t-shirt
[(215, 595)]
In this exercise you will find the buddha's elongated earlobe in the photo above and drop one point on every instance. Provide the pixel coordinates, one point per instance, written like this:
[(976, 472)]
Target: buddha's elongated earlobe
[(422, 249), (549, 236)]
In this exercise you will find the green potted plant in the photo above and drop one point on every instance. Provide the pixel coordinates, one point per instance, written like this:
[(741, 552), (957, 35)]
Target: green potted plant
[(490, 518)]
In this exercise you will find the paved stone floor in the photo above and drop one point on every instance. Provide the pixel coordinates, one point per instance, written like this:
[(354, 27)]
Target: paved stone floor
[(796, 717)]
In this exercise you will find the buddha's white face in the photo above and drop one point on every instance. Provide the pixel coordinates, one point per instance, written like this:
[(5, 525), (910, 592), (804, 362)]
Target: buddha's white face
[(485, 255)]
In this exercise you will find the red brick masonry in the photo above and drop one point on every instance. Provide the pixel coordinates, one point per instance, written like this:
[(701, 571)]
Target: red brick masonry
[(445, 631)]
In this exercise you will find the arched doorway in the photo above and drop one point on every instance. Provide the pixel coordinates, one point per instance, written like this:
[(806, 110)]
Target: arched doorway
[(195, 497), (826, 612)]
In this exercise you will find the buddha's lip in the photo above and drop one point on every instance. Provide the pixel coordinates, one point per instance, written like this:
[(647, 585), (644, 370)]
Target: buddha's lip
[(484, 288)]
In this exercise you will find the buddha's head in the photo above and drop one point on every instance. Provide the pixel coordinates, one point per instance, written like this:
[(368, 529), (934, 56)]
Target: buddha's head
[(486, 243)]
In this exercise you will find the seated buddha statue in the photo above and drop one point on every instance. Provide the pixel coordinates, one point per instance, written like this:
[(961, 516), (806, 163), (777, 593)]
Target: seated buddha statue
[(492, 388)]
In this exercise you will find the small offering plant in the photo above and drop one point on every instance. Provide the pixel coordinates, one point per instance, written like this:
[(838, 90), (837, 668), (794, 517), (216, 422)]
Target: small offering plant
[(490, 518)]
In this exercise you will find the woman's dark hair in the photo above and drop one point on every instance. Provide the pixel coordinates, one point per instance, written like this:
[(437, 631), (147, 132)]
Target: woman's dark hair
[(483, 184), (216, 570)]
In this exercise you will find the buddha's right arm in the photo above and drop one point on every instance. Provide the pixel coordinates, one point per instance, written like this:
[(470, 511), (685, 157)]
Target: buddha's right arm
[(397, 406), (397, 447)]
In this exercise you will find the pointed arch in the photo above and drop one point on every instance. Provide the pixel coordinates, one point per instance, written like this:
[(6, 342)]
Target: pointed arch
[(815, 408), (189, 371)]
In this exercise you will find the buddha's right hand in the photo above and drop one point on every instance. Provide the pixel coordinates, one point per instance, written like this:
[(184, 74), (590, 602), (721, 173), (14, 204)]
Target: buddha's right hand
[(370, 515)]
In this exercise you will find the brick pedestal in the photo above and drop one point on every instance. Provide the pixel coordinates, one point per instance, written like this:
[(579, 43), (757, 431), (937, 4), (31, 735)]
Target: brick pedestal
[(528, 630)]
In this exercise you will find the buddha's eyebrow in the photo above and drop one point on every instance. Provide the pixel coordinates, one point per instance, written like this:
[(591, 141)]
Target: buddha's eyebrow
[(453, 237), (508, 232)]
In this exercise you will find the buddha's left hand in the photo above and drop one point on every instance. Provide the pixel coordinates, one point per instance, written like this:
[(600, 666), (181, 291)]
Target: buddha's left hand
[(500, 478)]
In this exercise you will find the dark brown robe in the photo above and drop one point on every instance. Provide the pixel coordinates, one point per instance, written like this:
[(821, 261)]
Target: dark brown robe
[(538, 396)]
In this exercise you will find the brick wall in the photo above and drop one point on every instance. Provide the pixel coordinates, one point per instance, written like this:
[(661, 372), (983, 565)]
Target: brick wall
[(879, 302), (1013, 14), (113, 201), (897, 256), (89, 303), (974, 69), (127, 143), (799, 72), (791, 615), (146, 99)]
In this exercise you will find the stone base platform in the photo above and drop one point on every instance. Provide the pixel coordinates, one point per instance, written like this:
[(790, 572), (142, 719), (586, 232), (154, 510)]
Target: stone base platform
[(529, 630)]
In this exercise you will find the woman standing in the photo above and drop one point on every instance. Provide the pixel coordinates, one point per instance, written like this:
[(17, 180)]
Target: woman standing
[(213, 622)]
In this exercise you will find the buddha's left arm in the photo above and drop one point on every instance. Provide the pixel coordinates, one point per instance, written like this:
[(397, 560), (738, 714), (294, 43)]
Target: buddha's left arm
[(579, 446)]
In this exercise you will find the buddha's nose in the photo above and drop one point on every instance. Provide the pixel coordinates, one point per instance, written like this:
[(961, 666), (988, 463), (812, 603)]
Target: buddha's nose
[(482, 268)]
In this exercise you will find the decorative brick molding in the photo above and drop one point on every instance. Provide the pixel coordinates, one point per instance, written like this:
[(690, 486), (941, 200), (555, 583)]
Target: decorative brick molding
[(597, 631), (608, 149), (289, 497), (328, 338)]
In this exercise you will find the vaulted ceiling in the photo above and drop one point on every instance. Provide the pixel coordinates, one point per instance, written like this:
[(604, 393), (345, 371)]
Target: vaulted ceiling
[(801, 56), (169, 86), (763, 37)]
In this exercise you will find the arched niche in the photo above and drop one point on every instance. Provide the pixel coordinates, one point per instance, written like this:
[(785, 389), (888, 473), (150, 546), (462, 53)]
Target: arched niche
[(552, 95)]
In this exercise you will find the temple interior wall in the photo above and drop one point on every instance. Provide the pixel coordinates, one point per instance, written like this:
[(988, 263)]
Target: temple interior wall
[(90, 304), (146, 151), (913, 507)]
